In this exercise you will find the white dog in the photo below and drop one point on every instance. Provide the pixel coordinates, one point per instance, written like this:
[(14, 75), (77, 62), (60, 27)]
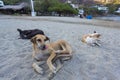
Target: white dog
[(91, 39)]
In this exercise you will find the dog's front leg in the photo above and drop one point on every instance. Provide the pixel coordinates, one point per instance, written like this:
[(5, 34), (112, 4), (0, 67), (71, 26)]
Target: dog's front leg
[(49, 62), (37, 68), (35, 50)]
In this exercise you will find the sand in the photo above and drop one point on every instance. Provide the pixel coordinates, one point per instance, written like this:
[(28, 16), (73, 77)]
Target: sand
[(88, 63)]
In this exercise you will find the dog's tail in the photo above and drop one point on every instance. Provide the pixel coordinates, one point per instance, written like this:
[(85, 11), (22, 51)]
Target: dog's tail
[(19, 30)]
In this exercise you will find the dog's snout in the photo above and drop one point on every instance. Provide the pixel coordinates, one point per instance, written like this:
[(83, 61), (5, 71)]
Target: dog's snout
[(42, 47)]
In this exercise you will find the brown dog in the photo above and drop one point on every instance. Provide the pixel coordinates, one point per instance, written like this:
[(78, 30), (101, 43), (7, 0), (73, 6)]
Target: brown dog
[(49, 51), (91, 39)]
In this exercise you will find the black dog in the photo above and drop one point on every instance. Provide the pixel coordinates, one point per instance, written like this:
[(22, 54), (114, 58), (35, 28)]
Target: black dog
[(28, 34)]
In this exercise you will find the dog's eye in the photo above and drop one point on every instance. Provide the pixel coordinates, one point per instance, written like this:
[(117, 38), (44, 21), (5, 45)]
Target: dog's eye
[(39, 40)]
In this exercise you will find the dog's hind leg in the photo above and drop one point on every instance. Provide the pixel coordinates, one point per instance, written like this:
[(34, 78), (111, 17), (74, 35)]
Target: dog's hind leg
[(59, 64), (65, 50), (22, 36), (65, 53)]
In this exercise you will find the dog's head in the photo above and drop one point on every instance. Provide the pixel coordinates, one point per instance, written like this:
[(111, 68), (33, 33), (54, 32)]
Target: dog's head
[(40, 40), (95, 35)]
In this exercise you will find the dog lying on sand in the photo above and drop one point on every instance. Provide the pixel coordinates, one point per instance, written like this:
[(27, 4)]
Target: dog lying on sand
[(48, 52), (91, 39), (28, 34)]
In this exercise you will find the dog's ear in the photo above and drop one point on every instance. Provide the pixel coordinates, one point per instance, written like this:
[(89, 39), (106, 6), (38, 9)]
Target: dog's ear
[(98, 35), (33, 40), (47, 38), (94, 31)]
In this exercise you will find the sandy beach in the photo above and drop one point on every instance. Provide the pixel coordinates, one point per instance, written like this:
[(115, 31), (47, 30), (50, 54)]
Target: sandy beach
[(88, 63)]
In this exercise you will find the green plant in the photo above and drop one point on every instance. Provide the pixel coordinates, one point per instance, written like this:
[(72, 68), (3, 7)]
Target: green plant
[(61, 8), (112, 7), (49, 6)]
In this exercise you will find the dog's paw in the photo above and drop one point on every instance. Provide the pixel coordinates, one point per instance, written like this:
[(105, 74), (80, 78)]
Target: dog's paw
[(54, 69), (50, 76), (37, 68)]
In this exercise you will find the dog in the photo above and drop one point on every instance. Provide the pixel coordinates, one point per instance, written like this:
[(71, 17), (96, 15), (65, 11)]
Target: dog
[(91, 39), (47, 52), (28, 34)]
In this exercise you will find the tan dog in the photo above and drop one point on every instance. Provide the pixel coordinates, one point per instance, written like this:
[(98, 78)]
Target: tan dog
[(91, 39), (49, 51)]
